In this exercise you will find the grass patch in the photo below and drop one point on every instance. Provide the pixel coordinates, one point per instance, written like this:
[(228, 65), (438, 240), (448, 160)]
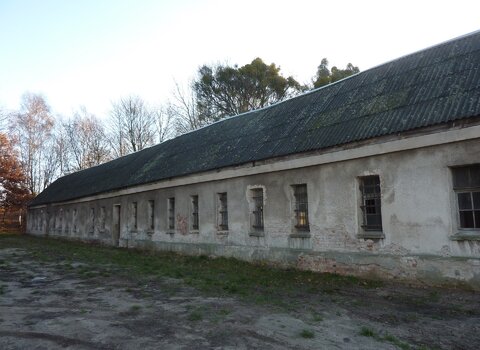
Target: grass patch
[(260, 283), (307, 334), (368, 332), (316, 317), (196, 315), (135, 308)]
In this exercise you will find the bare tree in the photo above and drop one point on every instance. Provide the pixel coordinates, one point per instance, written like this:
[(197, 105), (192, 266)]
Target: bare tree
[(3, 119), (84, 141), (31, 129), (163, 123), (61, 147), (182, 109), (132, 125)]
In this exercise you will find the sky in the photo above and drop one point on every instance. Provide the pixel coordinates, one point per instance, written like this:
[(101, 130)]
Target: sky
[(93, 52)]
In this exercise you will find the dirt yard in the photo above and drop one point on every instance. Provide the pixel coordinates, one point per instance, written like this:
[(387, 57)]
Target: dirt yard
[(65, 295)]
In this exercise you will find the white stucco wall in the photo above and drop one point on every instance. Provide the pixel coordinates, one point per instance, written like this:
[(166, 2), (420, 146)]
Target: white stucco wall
[(419, 212)]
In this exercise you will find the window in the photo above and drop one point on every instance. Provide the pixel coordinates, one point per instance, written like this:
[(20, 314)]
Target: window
[(151, 215), (257, 197), (371, 203), (171, 213), (67, 221), (92, 219), (134, 215), (222, 212), (74, 220), (195, 213), (301, 207), (466, 184), (60, 220), (102, 218)]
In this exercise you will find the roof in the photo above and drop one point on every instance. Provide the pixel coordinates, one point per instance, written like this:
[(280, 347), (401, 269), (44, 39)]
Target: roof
[(433, 86)]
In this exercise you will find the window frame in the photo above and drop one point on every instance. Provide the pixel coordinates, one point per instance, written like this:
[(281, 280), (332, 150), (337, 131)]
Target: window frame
[(194, 213), (60, 220), (134, 208), (369, 231), (222, 211), (67, 221), (300, 199), (74, 220), (171, 213), (103, 218), (151, 215), (92, 220), (466, 233), (258, 212)]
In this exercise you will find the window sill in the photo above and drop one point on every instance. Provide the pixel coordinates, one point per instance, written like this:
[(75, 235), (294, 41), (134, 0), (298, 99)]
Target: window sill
[(170, 232), (304, 234), (371, 235), (222, 232), (256, 234), (194, 232), (302, 228), (466, 236), (150, 232)]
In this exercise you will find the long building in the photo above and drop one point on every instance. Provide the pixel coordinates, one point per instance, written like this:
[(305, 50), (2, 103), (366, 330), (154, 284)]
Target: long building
[(375, 175)]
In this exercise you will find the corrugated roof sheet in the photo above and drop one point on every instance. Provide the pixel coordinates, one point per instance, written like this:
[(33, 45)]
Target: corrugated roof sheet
[(433, 86)]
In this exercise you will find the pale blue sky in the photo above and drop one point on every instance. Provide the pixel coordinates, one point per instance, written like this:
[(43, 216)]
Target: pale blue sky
[(88, 52)]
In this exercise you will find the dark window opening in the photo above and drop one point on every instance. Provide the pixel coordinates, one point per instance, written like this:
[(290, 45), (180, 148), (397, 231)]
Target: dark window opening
[(466, 183), (195, 213), (135, 215), (151, 214), (371, 203), (223, 211), (301, 206), (92, 219), (257, 196), (171, 213), (102, 218)]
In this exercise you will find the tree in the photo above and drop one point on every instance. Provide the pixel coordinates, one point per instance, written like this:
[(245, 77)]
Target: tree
[(324, 76), (223, 91), (163, 123), (83, 142), (132, 126), (14, 193), (32, 129), (3, 119), (183, 111)]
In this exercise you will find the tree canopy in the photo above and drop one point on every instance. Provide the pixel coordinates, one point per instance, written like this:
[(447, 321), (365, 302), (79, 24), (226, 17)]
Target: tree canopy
[(222, 90), (326, 76), (14, 192)]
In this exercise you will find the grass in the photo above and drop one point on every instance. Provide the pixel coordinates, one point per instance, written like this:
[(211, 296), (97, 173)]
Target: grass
[(307, 334), (196, 315), (368, 332), (316, 317), (135, 308), (260, 283)]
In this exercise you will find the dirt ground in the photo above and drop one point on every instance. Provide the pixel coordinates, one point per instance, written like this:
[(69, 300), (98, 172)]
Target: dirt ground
[(69, 304)]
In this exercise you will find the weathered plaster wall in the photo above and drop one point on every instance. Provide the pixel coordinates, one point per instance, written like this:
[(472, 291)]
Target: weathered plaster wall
[(418, 211)]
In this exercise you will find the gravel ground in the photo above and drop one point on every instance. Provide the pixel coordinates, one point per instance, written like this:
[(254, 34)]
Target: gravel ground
[(76, 305)]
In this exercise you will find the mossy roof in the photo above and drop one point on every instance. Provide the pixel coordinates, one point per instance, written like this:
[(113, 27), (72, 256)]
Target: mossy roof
[(429, 87)]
